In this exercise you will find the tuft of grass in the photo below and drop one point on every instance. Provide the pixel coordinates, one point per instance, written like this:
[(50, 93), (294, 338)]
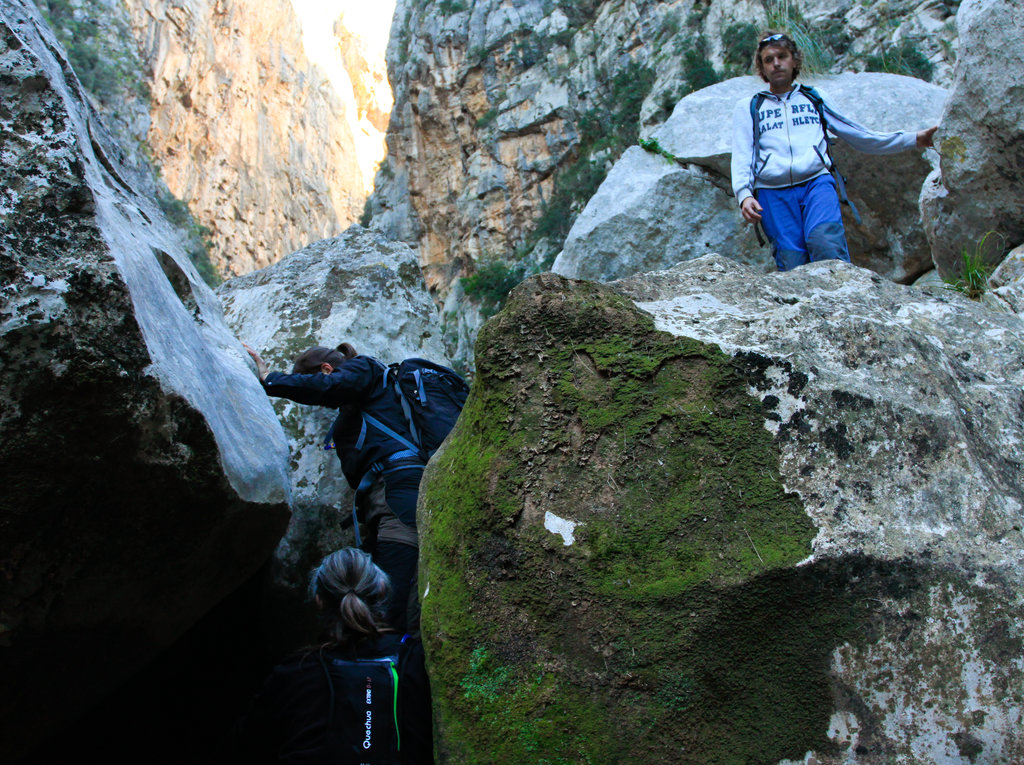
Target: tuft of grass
[(787, 17), (490, 284), (905, 58), (738, 42), (652, 145), (974, 269), (448, 7), (697, 67), (487, 118)]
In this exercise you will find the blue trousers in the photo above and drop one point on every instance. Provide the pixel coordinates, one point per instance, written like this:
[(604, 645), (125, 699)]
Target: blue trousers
[(804, 223)]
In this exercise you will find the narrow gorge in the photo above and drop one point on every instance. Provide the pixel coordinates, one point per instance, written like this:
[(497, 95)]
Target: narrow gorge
[(694, 511)]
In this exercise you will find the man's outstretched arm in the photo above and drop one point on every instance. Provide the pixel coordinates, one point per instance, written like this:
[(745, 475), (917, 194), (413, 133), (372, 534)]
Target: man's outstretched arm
[(925, 138)]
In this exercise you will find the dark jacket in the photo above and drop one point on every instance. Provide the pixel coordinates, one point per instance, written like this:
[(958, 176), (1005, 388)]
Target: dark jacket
[(288, 721), (357, 386)]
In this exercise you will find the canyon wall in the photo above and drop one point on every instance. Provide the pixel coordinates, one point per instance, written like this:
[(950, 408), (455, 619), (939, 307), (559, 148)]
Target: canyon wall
[(263, 131), (252, 135)]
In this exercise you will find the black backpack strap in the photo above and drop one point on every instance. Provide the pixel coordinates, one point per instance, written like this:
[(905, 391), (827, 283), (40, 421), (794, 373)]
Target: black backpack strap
[(840, 180), (755, 106), (819, 105)]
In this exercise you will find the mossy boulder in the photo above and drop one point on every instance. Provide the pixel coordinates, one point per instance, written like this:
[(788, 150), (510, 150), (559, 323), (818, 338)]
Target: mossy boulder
[(614, 569), (609, 497)]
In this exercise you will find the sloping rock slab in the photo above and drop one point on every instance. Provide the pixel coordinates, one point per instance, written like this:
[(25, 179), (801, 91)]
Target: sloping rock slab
[(651, 213), (733, 518), (144, 473), (978, 187), (358, 287)]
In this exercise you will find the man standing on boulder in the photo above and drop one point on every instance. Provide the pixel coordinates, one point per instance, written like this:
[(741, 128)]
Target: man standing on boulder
[(782, 172)]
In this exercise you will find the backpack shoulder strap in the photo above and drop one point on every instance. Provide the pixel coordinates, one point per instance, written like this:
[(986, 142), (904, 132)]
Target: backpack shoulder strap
[(755, 106), (819, 106)]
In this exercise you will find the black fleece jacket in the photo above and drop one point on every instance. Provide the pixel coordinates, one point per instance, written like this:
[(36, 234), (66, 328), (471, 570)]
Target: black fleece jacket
[(357, 386)]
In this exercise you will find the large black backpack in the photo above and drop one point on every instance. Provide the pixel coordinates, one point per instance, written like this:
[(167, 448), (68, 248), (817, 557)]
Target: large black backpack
[(363, 726), (432, 397)]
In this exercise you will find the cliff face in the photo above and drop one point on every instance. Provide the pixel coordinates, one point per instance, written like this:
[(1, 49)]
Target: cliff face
[(264, 131), (508, 114), (256, 139)]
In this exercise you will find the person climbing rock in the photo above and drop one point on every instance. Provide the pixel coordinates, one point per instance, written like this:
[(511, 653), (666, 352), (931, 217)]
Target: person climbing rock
[(363, 696), (383, 470), (782, 171)]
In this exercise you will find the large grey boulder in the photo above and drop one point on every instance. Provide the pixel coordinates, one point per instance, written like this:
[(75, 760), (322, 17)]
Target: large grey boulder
[(710, 515), (651, 213), (358, 287), (144, 472), (978, 186)]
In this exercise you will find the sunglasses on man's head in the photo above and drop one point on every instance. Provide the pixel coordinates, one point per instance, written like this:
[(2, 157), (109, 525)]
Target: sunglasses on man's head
[(771, 38)]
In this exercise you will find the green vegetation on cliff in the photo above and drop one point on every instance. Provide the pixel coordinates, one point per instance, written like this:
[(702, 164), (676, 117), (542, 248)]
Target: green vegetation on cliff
[(100, 47), (605, 130)]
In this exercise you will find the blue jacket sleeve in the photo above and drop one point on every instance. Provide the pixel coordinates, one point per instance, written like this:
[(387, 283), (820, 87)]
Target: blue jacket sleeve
[(349, 384)]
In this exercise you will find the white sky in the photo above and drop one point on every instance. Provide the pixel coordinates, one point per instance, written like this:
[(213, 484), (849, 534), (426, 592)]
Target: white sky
[(369, 18)]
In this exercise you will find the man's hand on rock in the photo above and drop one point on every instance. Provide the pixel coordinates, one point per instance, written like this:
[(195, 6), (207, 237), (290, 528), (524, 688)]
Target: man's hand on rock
[(925, 137), (751, 210)]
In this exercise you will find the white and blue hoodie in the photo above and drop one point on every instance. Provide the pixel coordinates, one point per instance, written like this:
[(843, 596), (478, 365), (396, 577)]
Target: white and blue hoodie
[(792, 144)]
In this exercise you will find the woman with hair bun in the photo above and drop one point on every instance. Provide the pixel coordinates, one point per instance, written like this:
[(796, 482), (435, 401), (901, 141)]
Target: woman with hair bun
[(361, 697), (383, 471)]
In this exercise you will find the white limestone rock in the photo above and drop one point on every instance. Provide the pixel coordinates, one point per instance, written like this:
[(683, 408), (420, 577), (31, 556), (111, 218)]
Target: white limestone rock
[(651, 213), (897, 412), (1007, 282)]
